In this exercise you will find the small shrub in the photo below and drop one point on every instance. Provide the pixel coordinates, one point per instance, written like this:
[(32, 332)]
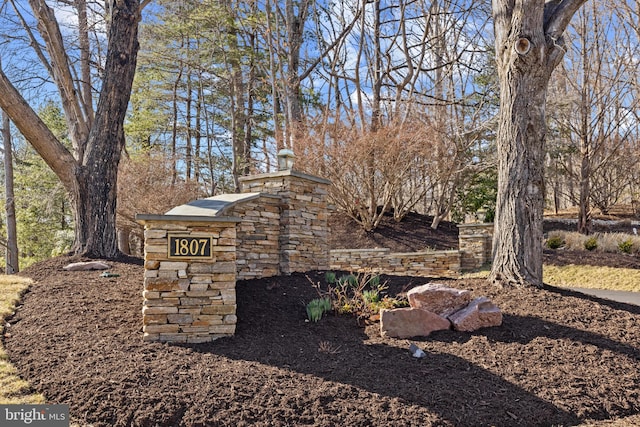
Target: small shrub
[(555, 242), (314, 311), (388, 303), (345, 308), (351, 280), (371, 296), (591, 243), (317, 307), (361, 295), (626, 246), (330, 277), (602, 242)]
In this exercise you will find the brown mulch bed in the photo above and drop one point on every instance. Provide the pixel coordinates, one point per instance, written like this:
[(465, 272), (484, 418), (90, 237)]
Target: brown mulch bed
[(412, 234), (558, 359)]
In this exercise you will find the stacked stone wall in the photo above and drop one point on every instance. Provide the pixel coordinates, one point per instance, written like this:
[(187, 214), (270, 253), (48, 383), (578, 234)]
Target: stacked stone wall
[(258, 237), (304, 218), (189, 300), (422, 264), (475, 245)]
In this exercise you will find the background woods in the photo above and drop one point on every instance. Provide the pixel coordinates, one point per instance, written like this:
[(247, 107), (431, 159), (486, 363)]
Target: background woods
[(395, 102)]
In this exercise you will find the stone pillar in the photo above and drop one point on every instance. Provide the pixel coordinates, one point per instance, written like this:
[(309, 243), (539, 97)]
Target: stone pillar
[(475, 244), (304, 227), (189, 279)]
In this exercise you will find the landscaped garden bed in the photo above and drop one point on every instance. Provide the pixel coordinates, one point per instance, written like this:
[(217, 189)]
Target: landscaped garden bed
[(559, 358)]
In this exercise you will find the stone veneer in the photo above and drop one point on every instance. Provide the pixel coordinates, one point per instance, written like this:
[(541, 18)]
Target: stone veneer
[(425, 264), (258, 237), (304, 233), (277, 225), (475, 244), (189, 300), (475, 250)]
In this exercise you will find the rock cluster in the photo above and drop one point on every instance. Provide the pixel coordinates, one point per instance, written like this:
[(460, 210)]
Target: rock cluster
[(436, 307)]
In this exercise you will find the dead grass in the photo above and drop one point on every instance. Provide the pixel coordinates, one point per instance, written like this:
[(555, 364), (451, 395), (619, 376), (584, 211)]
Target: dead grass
[(632, 421), (592, 277), (606, 242), (13, 390), (580, 276)]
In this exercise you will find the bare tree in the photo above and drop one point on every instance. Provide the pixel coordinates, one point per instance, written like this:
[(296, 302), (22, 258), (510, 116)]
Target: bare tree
[(405, 65), (598, 107), (368, 169)]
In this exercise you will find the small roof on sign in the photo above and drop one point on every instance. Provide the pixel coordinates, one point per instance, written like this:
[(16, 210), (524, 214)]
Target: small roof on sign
[(212, 206)]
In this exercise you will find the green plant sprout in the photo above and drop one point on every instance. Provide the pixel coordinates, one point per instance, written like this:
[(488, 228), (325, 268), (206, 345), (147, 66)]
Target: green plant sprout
[(330, 277), (555, 242), (317, 307)]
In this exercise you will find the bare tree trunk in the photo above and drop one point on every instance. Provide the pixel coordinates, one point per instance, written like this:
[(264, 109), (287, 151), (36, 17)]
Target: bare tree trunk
[(376, 114), (174, 128), (238, 119), (198, 131), (85, 61), (188, 155), (529, 46), (123, 240), (90, 177), (12, 261), (250, 110), (295, 36), (584, 211), (518, 235), (277, 111)]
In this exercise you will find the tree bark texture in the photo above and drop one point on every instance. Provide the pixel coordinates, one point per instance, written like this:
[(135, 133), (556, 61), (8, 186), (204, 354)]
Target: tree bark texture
[(95, 201), (528, 46)]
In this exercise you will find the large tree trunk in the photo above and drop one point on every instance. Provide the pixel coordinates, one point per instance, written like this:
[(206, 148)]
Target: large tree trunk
[(95, 202), (529, 46), (90, 179), (518, 235)]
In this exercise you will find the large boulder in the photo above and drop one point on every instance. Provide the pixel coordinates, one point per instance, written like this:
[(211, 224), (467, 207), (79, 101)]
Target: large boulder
[(410, 322), (480, 313), (438, 298)]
